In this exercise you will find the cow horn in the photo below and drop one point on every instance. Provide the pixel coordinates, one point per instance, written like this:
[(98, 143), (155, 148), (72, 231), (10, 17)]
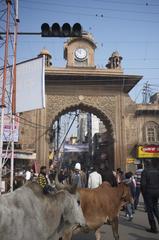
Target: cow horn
[(59, 185)]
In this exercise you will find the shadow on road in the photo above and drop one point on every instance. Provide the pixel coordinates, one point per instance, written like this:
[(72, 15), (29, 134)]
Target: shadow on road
[(139, 237), (131, 224), (84, 236)]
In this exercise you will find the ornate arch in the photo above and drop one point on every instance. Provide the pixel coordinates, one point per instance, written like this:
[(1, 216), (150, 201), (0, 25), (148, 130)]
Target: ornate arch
[(103, 107)]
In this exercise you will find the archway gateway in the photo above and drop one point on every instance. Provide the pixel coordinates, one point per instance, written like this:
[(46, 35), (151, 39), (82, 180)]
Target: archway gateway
[(80, 85), (101, 91)]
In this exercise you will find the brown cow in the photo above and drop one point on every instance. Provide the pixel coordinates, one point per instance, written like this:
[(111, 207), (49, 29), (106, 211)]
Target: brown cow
[(102, 205)]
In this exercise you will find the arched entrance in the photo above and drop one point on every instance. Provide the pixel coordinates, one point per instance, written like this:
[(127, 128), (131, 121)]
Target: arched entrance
[(81, 85), (103, 144)]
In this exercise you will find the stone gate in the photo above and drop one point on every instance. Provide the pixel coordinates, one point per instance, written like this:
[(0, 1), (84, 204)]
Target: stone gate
[(80, 85)]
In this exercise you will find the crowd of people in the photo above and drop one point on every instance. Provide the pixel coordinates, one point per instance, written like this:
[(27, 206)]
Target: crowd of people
[(145, 181)]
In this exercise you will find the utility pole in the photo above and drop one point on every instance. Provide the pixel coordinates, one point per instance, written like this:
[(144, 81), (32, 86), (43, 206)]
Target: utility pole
[(8, 2), (4, 109), (14, 93), (89, 130), (146, 93)]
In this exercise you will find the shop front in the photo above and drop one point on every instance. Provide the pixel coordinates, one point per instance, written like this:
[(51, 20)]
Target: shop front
[(147, 153), (22, 160)]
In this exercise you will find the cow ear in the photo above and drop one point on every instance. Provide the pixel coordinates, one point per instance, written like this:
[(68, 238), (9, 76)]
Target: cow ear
[(58, 185), (78, 196)]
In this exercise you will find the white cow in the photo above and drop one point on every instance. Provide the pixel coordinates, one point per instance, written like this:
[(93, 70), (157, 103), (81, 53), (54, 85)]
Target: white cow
[(28, 214)]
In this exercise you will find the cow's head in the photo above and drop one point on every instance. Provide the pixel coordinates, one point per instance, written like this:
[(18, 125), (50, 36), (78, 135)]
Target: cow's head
[(73, 214), (76, 214)]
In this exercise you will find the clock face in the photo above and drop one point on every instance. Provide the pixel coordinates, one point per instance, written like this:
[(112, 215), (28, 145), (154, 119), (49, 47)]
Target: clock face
[(80, 53)]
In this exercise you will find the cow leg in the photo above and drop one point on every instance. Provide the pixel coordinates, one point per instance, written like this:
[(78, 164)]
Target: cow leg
[(115, 228), (97, 234)]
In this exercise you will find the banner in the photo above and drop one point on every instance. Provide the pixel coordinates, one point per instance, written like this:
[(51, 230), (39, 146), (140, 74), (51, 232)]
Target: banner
[(149, 151), (76, 148), (30, 85)]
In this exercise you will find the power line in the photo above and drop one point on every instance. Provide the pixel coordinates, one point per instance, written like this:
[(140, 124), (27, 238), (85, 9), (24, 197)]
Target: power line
[(90, 7), (91, 15), (33, 123), (29, 123), (107, 41), (146, 4), (129, 3)]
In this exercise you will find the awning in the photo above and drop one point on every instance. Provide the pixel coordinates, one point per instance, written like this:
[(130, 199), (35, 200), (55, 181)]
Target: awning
[(21, 155)]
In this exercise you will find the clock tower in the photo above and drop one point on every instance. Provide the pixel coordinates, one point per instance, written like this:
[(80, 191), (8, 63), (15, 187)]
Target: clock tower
[(79, 52)]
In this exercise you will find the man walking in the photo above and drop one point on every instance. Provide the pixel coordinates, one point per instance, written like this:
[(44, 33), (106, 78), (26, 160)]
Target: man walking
[(76, 177), (94, 179), (108, 176), (138, 181), (150, 190)]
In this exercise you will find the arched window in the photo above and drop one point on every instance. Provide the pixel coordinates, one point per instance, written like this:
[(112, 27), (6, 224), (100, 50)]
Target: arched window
[(151, 132)]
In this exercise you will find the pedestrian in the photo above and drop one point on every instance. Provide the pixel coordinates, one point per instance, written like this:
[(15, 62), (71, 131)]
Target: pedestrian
[(94, 179), (61, 175), (129, 207), (119, 175), (83, 178), (76, 177), (150, 190), (108, 176), (138, 184), (28, 174), (43, 181), (51, 176)]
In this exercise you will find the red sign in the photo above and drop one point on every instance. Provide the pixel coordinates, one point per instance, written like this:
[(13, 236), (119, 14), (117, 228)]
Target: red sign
[(151, 151)]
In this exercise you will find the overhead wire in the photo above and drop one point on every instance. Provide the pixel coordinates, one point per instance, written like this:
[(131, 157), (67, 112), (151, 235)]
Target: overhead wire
[(129, 3), (90, 7), (137, 96), (91, 15), (30, 123), (114, 2), (46, 127)]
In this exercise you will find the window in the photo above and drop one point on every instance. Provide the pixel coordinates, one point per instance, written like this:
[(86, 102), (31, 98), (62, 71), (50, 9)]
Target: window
[(151, 132)]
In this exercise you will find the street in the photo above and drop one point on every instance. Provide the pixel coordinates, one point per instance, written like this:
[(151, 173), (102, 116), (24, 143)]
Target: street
[(134, 230)]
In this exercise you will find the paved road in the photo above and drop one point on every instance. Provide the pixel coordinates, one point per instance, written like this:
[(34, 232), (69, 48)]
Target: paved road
[(134, 230)]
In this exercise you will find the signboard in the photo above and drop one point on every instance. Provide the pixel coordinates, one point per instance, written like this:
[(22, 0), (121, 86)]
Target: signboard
[(7, 133), (30, 85), (130, 160), (76, 148), (150, 151), (28, 156)]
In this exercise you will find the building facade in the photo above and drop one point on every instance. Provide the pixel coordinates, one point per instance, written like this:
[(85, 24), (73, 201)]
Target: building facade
[(103, 92)]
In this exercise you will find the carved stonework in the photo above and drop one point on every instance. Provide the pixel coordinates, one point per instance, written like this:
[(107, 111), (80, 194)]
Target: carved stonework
[(131, 130), (58, 105)]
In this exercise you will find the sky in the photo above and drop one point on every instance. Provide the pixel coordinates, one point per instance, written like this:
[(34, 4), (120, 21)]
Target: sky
[(128, 26)]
